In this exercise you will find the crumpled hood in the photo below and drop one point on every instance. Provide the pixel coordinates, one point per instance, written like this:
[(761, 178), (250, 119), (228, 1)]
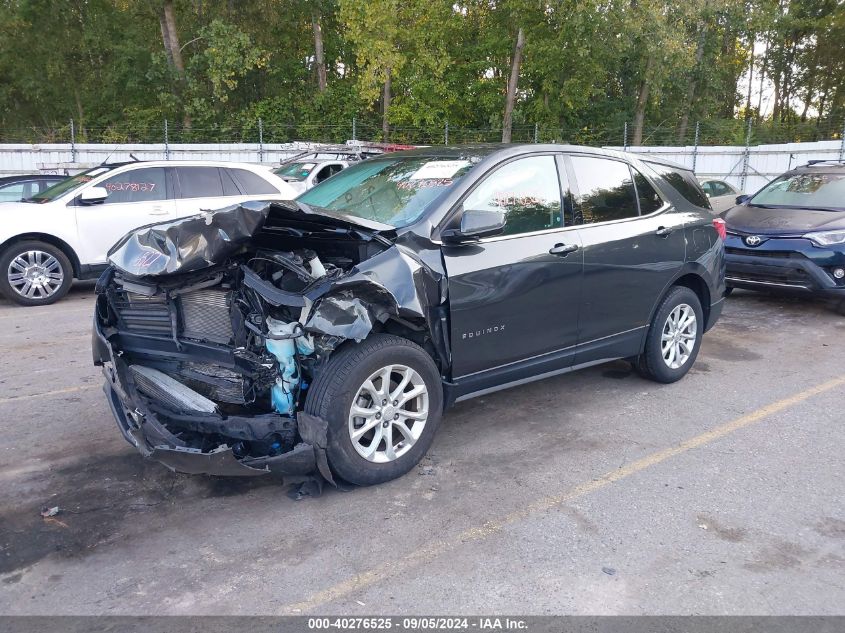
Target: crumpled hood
[(202, 240), (747, 219)]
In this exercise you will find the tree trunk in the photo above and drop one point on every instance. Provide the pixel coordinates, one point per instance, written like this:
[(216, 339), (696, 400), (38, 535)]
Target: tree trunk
[(319, 58), (750, 77), (174, 51), (691, 86), (642, 102), (762, 78), (385, 104), (510, 99)]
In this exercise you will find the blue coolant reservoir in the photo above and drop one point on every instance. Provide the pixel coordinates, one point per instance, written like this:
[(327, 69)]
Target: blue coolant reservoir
[(289, 338)]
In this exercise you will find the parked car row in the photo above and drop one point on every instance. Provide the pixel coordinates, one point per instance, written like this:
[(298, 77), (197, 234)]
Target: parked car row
[(64, 231), (327, 332)]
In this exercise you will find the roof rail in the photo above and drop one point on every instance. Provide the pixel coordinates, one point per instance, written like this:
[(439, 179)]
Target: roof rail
[(819, 161)]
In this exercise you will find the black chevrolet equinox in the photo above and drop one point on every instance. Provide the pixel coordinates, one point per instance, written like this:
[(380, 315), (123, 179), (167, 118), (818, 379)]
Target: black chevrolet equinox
[(326, 336)]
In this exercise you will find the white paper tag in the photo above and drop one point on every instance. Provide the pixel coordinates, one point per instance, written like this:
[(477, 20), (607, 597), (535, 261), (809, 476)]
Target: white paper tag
[(439, 169)]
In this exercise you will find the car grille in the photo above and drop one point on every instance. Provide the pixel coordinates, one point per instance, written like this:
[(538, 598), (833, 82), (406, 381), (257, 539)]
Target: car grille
[(206, 316), (143, 315), (789, 276), (755, 253)]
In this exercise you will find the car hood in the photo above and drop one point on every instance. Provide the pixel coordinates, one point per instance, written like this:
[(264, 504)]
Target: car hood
[(782, 221), (198, 241)]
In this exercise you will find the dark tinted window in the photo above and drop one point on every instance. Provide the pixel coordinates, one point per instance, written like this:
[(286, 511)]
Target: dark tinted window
[(252, 184), (138, 185), (606, 191), (527, 190), (649, 199), (684, 183), (200, 182), (229, 186)]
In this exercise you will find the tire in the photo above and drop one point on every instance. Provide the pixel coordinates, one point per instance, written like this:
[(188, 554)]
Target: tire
[(53, 270), (728, 291), (651, 363), (342, 380)]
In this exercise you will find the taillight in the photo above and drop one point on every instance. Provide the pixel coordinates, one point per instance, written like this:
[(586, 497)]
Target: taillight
[(721, 229)]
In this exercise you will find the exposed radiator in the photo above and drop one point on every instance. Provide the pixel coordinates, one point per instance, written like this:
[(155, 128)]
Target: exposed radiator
[(206, 316), (218, 383), (169, 392), (143, 315)]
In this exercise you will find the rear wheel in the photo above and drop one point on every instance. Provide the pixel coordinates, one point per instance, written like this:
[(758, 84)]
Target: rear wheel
[(34, 273), (674, 337), (382, 399)]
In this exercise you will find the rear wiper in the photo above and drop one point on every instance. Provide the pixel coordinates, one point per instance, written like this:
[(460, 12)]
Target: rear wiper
[(761, 206)]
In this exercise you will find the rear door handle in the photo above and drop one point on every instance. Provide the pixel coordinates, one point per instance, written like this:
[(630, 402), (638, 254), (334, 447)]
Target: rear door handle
[(157, 210), (563, 249), (662, 231)]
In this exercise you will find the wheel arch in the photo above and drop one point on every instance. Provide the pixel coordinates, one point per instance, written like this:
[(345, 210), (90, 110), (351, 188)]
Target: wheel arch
[(694, 277), (52, 240)]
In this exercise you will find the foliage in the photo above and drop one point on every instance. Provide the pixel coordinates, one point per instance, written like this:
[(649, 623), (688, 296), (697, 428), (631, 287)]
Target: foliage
[(589, 66)]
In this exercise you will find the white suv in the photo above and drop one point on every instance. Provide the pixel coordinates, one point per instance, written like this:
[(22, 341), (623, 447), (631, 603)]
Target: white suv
[(66, 230)]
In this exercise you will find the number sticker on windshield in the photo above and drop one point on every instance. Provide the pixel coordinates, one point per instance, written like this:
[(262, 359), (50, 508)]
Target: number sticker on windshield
[(437, 169)]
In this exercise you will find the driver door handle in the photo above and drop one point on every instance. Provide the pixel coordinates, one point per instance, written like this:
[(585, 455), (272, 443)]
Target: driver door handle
[(158, 210), (662, 231), (563, 249)]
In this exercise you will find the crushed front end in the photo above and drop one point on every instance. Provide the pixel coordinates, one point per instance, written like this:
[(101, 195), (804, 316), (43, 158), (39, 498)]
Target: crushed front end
[(210, 330)]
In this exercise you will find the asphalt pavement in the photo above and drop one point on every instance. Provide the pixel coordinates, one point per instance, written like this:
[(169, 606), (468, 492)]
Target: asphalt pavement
[(592, 493)]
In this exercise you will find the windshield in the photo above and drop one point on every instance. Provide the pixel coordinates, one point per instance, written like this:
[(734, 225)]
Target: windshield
[(394, 191), (814, 191), (69, 184), (295, 171)]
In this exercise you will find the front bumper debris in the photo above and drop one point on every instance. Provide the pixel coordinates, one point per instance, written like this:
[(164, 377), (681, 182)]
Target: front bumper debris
[(141, 427)]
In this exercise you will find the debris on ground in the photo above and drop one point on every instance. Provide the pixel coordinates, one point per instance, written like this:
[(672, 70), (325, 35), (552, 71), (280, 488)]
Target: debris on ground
[(50, 512), (610, 571)]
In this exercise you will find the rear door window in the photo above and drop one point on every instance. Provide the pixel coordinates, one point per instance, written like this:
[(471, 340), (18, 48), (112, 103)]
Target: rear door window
[(200, 182), (605, 190), (252, 184), (146, 184), (650, 201), (527, 190)]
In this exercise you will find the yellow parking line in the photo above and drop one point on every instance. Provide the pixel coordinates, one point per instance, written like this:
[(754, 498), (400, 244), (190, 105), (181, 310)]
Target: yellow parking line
[(433, 549), (47, 394)]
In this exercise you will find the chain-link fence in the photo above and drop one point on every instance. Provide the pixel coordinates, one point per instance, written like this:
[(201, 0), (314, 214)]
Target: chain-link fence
[(706, 132)]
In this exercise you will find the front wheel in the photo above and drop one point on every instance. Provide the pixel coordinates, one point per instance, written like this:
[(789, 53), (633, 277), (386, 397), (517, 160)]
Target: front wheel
[(34, 273), (383, 400), (674, 337)]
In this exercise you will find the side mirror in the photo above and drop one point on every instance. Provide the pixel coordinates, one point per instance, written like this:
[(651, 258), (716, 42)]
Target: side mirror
[(93, 195), (476, 224), (742, 199)]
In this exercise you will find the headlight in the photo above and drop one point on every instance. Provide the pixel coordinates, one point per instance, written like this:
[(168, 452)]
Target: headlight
[(827, 238)]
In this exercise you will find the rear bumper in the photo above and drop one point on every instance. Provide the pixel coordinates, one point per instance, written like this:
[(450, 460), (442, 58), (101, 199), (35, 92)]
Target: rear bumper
[(784, 264)]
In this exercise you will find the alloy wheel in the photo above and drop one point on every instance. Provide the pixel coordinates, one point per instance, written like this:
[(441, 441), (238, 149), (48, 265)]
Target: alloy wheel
[(679, 335), (35, 274), (388, 413)]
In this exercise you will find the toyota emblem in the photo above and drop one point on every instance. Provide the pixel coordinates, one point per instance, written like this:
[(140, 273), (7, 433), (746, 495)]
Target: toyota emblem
[(753, 240)]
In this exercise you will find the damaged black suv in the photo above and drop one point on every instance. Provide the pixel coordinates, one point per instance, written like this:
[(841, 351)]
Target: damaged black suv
[(329, 334)]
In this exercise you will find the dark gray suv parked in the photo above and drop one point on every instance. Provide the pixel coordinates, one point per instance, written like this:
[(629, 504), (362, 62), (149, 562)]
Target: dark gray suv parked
[(330, 333)]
